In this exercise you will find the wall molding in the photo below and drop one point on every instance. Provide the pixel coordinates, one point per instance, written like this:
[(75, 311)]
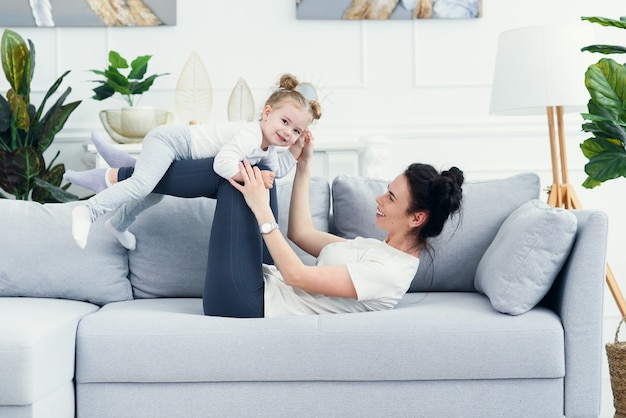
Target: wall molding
[(334, 136)]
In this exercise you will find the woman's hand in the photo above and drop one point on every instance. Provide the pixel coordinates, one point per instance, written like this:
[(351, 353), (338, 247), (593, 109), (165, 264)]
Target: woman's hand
[(268, 178), (253, 188), (307, 146), (298, 147)]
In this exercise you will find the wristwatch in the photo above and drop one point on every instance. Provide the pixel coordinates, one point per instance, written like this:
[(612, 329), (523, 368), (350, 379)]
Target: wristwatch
[(267, 227)]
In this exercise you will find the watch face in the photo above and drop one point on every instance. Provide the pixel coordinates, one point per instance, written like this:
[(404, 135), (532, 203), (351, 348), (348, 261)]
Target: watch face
[(267, 227)]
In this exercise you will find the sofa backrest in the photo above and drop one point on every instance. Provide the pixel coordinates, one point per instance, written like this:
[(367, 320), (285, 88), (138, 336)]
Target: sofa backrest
[(41, 259), (173, 240), (172, 237), (451, 263)]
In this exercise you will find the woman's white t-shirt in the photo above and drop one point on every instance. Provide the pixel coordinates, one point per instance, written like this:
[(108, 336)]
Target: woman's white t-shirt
[(380, 273)]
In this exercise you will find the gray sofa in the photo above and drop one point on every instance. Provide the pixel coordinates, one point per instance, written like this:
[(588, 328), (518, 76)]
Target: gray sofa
[(503, 321)]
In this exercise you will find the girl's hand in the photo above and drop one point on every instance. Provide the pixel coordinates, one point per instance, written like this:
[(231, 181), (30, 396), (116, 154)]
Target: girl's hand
[(268, 178), (253, 188)]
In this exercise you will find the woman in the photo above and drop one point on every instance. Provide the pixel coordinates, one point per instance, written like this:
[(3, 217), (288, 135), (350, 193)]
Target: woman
[(351, 275)]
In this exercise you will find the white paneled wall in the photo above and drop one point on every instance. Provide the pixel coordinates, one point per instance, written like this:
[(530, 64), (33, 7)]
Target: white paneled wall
[(422, 85)]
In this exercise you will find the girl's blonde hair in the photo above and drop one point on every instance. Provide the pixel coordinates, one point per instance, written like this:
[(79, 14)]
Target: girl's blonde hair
[(287, 91)]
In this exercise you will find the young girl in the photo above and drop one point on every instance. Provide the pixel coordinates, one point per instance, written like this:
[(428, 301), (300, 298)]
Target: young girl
[(285, 117)]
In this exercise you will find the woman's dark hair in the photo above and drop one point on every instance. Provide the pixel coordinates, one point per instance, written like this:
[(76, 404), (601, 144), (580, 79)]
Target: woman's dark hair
[(437, 194)]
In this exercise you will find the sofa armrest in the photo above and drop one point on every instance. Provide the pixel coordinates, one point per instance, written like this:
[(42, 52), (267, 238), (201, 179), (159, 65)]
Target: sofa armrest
[(577, 297)]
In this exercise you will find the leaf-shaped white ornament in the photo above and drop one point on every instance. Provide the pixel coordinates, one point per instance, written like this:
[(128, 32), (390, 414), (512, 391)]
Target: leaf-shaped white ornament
[(241, 103), (194, 95)]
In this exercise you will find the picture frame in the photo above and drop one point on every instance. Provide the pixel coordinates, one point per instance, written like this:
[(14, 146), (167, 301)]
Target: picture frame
[(87, 13), (388, 9)]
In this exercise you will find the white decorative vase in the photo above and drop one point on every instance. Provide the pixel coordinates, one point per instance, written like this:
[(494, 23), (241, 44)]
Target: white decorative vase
[(131, 124)]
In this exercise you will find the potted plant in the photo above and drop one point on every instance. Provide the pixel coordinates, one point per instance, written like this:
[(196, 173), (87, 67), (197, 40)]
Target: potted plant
[(606, 117), (26, 132), (130, 123)]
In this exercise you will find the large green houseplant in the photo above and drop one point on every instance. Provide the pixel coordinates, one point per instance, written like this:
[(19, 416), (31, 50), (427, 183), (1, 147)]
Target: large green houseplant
[(26, 132), (606, 117)]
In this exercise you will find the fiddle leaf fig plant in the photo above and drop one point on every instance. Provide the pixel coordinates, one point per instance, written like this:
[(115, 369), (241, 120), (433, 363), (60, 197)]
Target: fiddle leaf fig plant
[(606, 117), (26, 131), (128, 86)]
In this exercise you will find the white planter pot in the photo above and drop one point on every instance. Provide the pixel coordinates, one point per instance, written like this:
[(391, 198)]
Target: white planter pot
[(131, 124)]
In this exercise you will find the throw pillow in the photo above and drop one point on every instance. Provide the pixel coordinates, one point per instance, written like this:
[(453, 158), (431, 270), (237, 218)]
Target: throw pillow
[(520, 265), (41, 259)]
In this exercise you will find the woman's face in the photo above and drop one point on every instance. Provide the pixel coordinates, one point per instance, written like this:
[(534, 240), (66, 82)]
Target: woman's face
[(283, 125), (391, 212)]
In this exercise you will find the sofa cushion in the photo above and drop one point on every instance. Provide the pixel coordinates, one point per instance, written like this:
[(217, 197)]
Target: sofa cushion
[(319, 193), (41, 259), (354, 206), (520, 265), (450, 263), (172, 245), (173, 240), (37, 349), (442, 336)]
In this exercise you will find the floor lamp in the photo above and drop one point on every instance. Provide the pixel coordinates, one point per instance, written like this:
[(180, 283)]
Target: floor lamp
[(540, 69)]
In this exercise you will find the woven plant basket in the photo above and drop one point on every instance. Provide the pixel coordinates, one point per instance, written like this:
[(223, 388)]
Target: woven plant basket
[(616, 353)]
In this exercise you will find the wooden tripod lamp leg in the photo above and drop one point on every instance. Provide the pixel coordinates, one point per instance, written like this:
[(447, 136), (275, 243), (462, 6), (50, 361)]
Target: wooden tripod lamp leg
[(615, 291), (555, 197), (566, 196)]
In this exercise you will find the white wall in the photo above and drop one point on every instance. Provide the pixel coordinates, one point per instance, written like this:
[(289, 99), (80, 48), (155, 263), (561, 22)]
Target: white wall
[(425, 85)]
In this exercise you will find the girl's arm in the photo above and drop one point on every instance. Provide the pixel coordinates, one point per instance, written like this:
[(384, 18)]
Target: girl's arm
[(235, 150), (327, 280)]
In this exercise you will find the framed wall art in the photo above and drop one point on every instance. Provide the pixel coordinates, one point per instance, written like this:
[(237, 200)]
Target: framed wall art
[(388, 9), (51, 13)]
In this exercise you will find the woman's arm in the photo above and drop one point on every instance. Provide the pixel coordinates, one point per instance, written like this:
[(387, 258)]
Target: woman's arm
[(301, 229), (327, 280)]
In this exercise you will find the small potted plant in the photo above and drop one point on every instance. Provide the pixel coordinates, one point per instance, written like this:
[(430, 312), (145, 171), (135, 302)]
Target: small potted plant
[(26, 131), (130, 123)]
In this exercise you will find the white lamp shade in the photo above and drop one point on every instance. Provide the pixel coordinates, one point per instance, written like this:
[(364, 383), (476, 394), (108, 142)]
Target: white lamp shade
[(541, 66)]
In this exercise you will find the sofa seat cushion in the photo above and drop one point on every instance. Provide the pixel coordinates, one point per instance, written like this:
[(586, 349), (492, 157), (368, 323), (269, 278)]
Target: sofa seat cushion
[(436, 336), (37, 347)]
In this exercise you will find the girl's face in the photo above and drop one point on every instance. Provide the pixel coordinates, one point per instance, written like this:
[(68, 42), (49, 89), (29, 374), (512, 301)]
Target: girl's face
[(283, 125), (391, 213)]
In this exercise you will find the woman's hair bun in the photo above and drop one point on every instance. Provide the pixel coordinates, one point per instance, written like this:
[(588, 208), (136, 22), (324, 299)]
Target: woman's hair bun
[(447, 187)]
